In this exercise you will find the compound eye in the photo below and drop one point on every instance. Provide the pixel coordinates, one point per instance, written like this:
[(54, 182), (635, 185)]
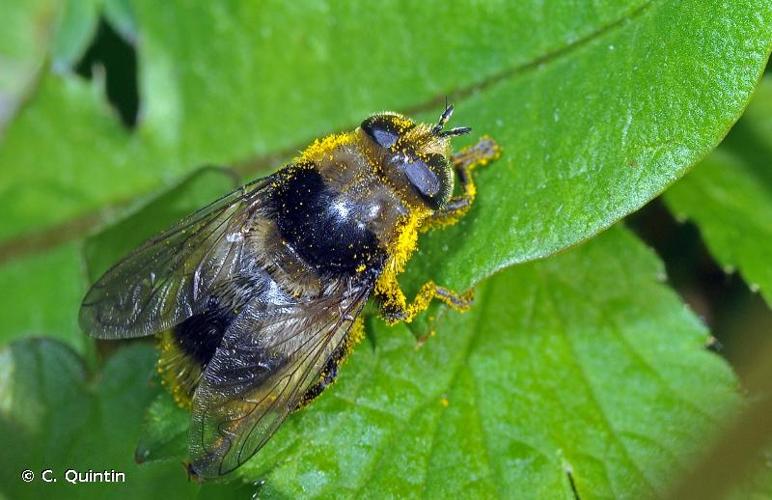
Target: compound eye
[(385, 129), (430, 176), (422, 178)]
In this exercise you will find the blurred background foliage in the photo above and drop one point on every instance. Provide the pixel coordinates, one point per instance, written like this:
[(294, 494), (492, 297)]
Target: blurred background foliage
[(592, 368)]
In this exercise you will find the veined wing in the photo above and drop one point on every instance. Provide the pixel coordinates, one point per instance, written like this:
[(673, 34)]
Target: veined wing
[(268, 359), (168, 278)]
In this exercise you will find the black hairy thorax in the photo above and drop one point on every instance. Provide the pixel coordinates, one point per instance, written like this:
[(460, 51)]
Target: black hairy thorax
[(326, 227)]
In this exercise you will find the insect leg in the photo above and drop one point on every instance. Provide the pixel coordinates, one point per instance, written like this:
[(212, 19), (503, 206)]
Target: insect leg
[(330, 371), (464, 162), (395, 308)]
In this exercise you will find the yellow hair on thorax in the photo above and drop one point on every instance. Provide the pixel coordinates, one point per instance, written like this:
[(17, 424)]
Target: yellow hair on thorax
[(325, 146)]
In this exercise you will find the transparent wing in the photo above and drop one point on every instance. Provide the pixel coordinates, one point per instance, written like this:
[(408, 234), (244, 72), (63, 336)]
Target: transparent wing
[(267, 361), (168, 278)]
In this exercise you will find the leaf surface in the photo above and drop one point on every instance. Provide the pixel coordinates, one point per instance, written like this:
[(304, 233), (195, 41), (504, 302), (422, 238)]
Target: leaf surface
[(55, 417), (729, 196)]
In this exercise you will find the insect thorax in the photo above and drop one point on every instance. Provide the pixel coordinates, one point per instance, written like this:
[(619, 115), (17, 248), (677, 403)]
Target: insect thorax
[(337, 213)]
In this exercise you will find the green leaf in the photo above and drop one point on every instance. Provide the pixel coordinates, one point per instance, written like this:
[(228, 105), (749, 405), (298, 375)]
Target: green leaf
[(66, 153), (557, 369), (28, 27), (56, 416), (75, 30), (121, 16), (42, 294), (729, 197), (164, 435)]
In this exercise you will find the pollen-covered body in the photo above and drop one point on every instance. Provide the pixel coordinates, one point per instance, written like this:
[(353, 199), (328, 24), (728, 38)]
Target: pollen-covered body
[(258, 296), (331, 216), (326, 220)]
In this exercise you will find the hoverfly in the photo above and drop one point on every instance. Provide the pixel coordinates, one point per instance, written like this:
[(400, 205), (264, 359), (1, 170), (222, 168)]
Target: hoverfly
[(257, 297)]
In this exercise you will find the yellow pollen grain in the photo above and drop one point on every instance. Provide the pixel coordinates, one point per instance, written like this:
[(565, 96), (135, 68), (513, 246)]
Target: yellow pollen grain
[(169, 366), (402, 122), (399, 252), (326, 145), (355, 335)]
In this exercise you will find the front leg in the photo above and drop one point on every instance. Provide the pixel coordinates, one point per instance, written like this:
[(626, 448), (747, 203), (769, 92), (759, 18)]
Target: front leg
[(393, 303), (464, 162)]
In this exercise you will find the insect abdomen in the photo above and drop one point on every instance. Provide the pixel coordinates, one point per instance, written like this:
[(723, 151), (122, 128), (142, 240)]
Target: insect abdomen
[(199, 335), (187, 348)]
